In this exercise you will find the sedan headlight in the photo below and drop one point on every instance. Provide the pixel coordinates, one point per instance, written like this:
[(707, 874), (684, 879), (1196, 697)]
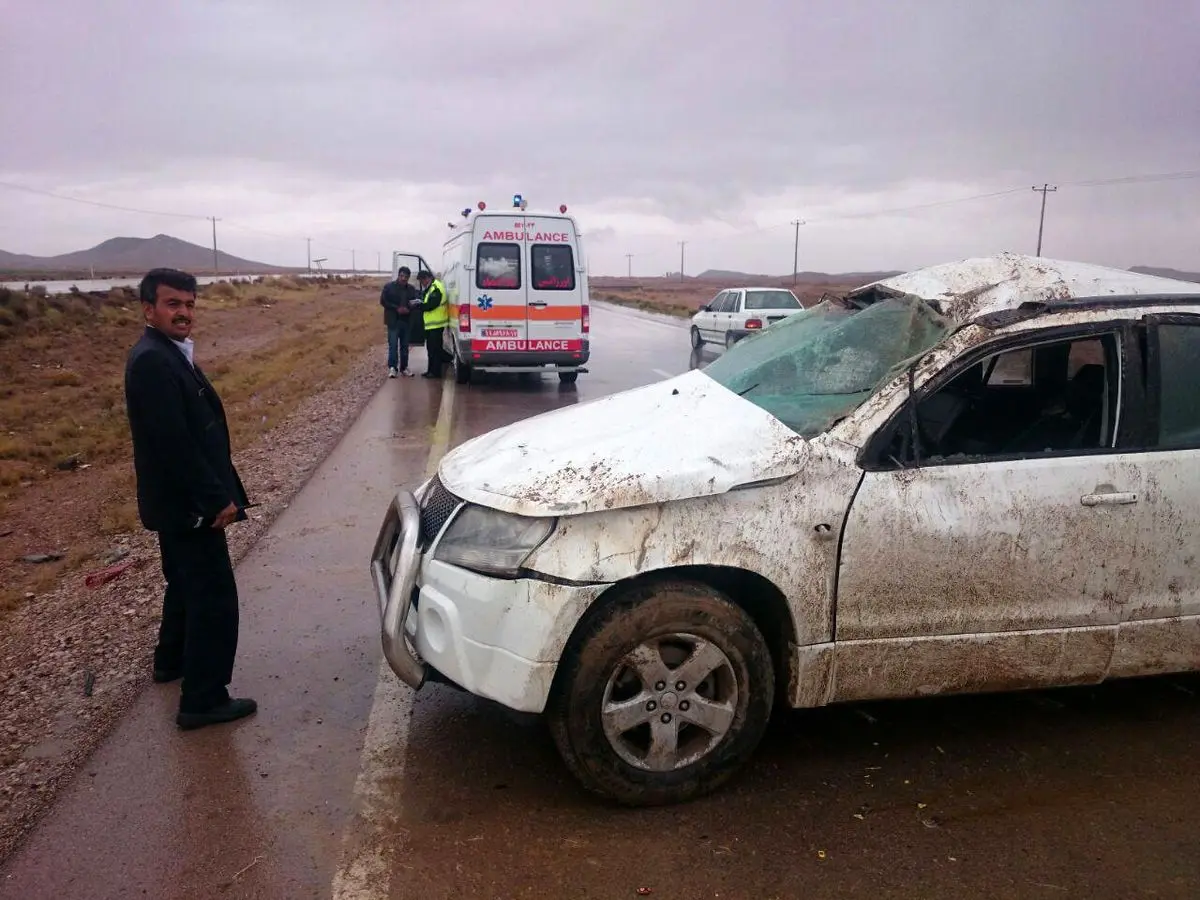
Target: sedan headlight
[(492, 542)]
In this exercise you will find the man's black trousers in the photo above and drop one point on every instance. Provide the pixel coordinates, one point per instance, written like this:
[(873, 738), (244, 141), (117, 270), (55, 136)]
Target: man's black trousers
[(199, 630), (434, 351)]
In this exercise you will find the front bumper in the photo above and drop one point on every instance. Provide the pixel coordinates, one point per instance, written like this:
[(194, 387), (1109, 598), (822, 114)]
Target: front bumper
[(394, 564), (494, 637)]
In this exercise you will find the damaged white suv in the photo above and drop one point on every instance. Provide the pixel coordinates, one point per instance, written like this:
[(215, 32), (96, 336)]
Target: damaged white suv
[(975, 477)]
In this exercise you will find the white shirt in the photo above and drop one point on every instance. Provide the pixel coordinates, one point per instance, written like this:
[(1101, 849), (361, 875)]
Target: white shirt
[(186, 347)]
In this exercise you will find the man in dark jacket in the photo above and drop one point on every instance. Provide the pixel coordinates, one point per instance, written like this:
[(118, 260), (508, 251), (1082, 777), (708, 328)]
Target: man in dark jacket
[(398, 299), (188, 492)]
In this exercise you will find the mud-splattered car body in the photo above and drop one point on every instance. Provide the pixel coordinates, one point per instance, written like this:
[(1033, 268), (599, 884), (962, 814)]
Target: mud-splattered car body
[(987, 485)]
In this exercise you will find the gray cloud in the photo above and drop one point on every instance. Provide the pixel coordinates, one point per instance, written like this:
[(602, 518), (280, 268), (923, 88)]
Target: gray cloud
[(691, 108)]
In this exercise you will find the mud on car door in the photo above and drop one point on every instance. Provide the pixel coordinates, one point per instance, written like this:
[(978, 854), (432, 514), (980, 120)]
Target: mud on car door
[(998, 551)]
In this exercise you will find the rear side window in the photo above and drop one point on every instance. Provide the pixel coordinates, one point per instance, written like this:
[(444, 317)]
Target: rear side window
[(1179, 373), (498, 266), (553, 267)]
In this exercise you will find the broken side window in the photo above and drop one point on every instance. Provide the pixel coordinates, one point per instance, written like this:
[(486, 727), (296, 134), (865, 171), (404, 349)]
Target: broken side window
[(1051, 398)]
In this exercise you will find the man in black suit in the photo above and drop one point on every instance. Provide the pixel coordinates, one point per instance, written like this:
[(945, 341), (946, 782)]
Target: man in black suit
[(188, 492)]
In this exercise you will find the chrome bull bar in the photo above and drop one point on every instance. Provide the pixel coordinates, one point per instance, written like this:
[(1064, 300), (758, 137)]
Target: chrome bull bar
[(394, 564)]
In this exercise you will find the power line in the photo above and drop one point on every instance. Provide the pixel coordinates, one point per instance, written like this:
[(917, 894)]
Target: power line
[(154, 212), (145, 212), (1134, 179), (871, 214)]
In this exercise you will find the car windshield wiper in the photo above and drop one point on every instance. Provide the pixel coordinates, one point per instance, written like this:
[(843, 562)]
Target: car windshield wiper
[(749, 389)]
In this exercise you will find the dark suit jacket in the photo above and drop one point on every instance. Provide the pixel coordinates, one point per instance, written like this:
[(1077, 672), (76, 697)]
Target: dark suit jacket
[(181, 451)]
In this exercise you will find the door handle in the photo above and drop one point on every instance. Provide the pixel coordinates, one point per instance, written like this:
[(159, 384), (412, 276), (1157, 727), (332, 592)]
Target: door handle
[(538, 303), (1116, 498)]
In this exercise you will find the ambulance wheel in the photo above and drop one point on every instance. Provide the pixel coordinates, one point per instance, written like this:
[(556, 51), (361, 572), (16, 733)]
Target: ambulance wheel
[(462, 372), (568, 377), (697, 341)]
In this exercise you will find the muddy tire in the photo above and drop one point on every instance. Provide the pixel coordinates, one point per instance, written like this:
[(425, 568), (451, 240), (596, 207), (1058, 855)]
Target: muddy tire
[(697, 341), (663, 696), (730, 340)]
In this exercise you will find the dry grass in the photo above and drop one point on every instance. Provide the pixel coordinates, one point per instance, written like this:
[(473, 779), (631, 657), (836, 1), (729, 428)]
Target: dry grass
[(265, 346)]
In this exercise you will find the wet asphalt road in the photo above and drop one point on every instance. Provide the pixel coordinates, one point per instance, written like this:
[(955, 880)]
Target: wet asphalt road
[(1079, 793)]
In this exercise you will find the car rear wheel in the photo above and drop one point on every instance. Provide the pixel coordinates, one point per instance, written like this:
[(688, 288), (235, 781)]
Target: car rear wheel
[(730, 339), (666, 695), (697, 341), (568, 377)]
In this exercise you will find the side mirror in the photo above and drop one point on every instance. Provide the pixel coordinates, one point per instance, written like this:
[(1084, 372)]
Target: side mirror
[(704, 308)]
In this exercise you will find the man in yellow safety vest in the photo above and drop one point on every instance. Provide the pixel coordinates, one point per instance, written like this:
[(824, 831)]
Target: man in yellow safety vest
[(436, 317)]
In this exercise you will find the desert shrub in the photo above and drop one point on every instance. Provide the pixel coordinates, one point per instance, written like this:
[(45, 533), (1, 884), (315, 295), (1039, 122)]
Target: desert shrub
[(222, 290)]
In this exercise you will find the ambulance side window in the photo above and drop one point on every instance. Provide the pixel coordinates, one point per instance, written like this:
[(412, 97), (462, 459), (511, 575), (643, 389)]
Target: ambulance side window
[(553, 267), (498, 266)]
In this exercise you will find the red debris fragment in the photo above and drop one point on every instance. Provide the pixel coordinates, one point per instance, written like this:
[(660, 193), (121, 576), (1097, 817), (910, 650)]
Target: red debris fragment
[(103, 576)]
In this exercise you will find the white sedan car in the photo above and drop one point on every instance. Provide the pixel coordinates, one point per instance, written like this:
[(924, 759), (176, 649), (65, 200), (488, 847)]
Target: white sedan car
[(975, 477), (735, 313)]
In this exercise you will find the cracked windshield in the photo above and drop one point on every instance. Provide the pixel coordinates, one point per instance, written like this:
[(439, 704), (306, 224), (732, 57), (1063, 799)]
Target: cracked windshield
[(815, 367)]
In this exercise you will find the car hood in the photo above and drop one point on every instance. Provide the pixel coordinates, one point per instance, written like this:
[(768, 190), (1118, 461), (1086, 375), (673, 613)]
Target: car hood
[(684, 437)]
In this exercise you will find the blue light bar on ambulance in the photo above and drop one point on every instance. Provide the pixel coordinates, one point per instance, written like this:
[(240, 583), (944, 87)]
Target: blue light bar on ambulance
[(517, 200)]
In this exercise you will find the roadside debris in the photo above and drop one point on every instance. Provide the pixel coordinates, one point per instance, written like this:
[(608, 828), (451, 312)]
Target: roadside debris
[(39, 558), (103, 576)]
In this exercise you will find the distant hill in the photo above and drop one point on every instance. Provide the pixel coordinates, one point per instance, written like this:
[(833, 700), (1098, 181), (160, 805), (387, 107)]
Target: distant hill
[(806, 277), (1166, 273), (135, 255)]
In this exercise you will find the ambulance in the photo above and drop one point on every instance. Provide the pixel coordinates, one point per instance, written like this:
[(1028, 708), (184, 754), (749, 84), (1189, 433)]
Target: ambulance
[(518, 293)]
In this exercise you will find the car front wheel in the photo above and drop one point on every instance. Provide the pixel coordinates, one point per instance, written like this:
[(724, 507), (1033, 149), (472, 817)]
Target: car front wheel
[(696, 339), (666, 696)]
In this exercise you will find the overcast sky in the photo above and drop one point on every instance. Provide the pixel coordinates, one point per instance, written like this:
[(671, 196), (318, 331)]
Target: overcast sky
[(369, 124)]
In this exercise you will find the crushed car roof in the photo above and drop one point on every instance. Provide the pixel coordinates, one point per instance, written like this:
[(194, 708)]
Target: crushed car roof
[(970, 288)]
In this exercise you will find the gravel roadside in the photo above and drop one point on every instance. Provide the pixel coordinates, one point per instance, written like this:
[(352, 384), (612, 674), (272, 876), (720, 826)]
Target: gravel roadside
[(74, 659)]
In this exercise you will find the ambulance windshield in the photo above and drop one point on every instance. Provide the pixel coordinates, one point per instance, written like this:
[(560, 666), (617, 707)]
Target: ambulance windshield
[(816, 366)]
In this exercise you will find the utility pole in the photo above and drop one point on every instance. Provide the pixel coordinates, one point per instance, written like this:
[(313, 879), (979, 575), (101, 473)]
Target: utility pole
[(353, 263), (1043, 190), (216, 266), (682, 244), (796, 251), (629, 262), (378, 261), (309, 255)]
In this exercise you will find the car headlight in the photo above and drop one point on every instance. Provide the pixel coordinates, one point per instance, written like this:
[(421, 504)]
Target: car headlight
[(490, 541)]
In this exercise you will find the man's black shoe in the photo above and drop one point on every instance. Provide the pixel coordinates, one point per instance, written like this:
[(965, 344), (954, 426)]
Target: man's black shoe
[(162, 676), (231, 710)]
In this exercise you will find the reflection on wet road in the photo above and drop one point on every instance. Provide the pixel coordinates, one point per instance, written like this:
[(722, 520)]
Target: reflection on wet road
[(1085, 792)]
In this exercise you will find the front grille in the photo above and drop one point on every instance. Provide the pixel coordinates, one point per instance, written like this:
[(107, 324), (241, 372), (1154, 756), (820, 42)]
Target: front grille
[(436, 508)]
